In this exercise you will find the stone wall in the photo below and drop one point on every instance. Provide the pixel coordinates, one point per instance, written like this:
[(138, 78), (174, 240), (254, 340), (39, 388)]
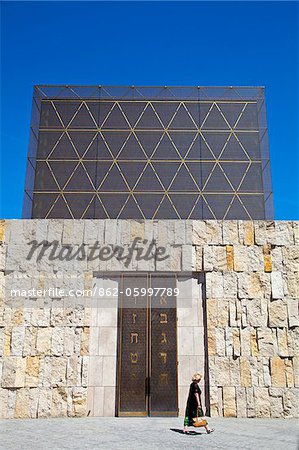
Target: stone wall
[(252, 315), (59, 358)]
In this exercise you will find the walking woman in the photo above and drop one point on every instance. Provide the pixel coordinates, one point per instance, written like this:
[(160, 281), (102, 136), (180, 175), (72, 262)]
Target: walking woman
[(194, 405)]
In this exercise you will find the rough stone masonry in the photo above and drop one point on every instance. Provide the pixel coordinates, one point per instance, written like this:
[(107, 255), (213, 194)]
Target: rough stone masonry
[(47, 349)]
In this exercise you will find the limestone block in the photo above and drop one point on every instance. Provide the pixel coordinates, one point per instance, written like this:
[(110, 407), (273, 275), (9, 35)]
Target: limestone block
[(254, 259), (217, 285), (185, 341), (32, 371), (289, 372), (214, 405), (95, 371), (232, 313), (290, 401), (180, 232), (68, 343), (91, 232), (109, 401), (251, 285), (223, 313), (243, 312), (199, 232), (293, 343), (230, 257), (3, 400), (262, 402), (29, 347), (2, 230), (85, 341), (16, 260), (109, 371), (266, 373), (277, 285), (98, 401), (245, 372), (55, 229), (235, 377), (228, 342), (221, 258), (291, 258), (230, 232), (43, 342), (283, 233), (277, 369), (276, 406), (137, 229), (198, 336), (59, 402), (45, 371), (58, 373), (282, 340), (260, 232), (250, 402), (79, 400), (241, 402), (198, 258), (254, 342), (230, 285), (296, 370), (229, 402), (22, 404), (186, 261), (211, 341), (73, 232), (220, 341), (222, 367), (209, 231), (245, 341), (296, 232), (57, 341), (240, 258), (11, 403), (293, 312), (257, 314), (277, 263), (73, 370), (17, 235), (208, 257), (236, 342), (277, 313), (17, 340), (3, 251), (13, 375), (257, 370), (107, 341), (292, 282), (44, 403), (212, 312), (265, 342)]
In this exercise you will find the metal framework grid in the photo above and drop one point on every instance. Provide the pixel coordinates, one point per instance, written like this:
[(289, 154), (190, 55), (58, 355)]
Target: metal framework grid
[(148, 152)]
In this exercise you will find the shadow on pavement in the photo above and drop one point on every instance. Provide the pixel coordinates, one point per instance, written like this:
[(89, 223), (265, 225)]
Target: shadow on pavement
[(178, 430)]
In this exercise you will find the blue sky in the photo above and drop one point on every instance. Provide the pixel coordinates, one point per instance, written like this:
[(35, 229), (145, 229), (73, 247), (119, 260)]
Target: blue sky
[(157, 43)]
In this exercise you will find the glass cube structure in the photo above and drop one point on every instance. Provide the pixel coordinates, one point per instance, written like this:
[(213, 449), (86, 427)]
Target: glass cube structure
[(148, 153)]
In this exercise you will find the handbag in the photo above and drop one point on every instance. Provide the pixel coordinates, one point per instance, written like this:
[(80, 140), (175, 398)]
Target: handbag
[(199, 420)]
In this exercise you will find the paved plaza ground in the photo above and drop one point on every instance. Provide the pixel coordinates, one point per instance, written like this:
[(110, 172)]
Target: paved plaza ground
[(147, 434)]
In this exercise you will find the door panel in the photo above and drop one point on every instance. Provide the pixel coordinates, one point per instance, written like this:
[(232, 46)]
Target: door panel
[(133, 354), (163, 368)]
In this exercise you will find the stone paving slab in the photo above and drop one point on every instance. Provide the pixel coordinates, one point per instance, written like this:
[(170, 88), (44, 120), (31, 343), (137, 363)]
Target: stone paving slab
[(146, 434)]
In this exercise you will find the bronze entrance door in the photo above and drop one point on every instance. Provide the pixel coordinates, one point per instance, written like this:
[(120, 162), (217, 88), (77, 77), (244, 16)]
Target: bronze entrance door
[(147, 347)]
